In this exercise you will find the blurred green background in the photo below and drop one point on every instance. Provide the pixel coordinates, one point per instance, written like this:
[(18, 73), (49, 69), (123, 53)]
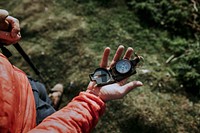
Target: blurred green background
[(65, 40)]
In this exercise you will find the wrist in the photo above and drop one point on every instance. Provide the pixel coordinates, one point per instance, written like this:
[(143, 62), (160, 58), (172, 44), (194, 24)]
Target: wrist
[(93, 92), (97, 94)]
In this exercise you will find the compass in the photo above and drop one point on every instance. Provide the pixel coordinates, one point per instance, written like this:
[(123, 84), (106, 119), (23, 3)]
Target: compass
[(122, 69), (123, 66), (101, 76)]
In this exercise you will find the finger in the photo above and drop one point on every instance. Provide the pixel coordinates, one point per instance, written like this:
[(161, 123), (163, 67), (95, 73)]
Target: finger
[(104, 60), (7, 39), (14, 24), (90, 85), (128, 53), (130, 86), (5, 35), (117, 55)]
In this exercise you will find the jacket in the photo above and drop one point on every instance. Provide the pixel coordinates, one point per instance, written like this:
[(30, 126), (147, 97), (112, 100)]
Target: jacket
[(18, 113)]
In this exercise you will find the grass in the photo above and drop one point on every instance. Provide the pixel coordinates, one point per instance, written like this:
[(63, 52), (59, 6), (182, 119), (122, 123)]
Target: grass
[(65, 40)]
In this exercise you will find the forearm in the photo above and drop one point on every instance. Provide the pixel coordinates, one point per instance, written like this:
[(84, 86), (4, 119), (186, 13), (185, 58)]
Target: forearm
[(80, 115)]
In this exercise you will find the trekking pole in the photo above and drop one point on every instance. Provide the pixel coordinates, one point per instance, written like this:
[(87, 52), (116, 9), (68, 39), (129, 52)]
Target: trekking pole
[(4, 25)]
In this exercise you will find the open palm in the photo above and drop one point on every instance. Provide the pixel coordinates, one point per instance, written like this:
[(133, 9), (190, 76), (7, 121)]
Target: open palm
[(115, 90)]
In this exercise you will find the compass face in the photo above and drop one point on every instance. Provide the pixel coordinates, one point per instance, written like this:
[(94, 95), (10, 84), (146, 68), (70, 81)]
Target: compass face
[(123, 66), (101, 76)]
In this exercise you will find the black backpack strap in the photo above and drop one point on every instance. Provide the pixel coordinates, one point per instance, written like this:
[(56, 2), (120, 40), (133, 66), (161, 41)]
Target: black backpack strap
[(5, 51)]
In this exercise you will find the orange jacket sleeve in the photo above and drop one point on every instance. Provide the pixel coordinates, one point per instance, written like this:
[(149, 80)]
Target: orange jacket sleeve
[(18, 113), (17, 105), (79, 116)]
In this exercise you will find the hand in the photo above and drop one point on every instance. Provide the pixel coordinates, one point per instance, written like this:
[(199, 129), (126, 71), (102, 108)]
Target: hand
[(116, 90), (9, 36)]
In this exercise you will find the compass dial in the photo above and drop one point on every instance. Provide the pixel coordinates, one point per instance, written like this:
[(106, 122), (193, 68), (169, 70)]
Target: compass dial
[(123, 66), (101, 76)]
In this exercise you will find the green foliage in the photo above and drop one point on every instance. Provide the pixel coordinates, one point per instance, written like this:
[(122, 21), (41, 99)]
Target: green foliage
[(188, 70), (98, 2), (185, 61), (181, 19), (176, 46), (178, 17)]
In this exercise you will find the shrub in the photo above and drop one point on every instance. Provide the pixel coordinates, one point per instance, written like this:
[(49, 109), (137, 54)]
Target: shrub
[(188, 70), (185, 62), (178, 17)]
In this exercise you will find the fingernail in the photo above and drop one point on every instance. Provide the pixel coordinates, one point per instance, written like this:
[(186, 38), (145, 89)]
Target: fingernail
[(121, 46), (130, 48), (139, 83)]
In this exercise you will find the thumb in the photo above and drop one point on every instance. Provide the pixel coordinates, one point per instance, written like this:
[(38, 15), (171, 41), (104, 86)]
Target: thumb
[(131, 85)]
